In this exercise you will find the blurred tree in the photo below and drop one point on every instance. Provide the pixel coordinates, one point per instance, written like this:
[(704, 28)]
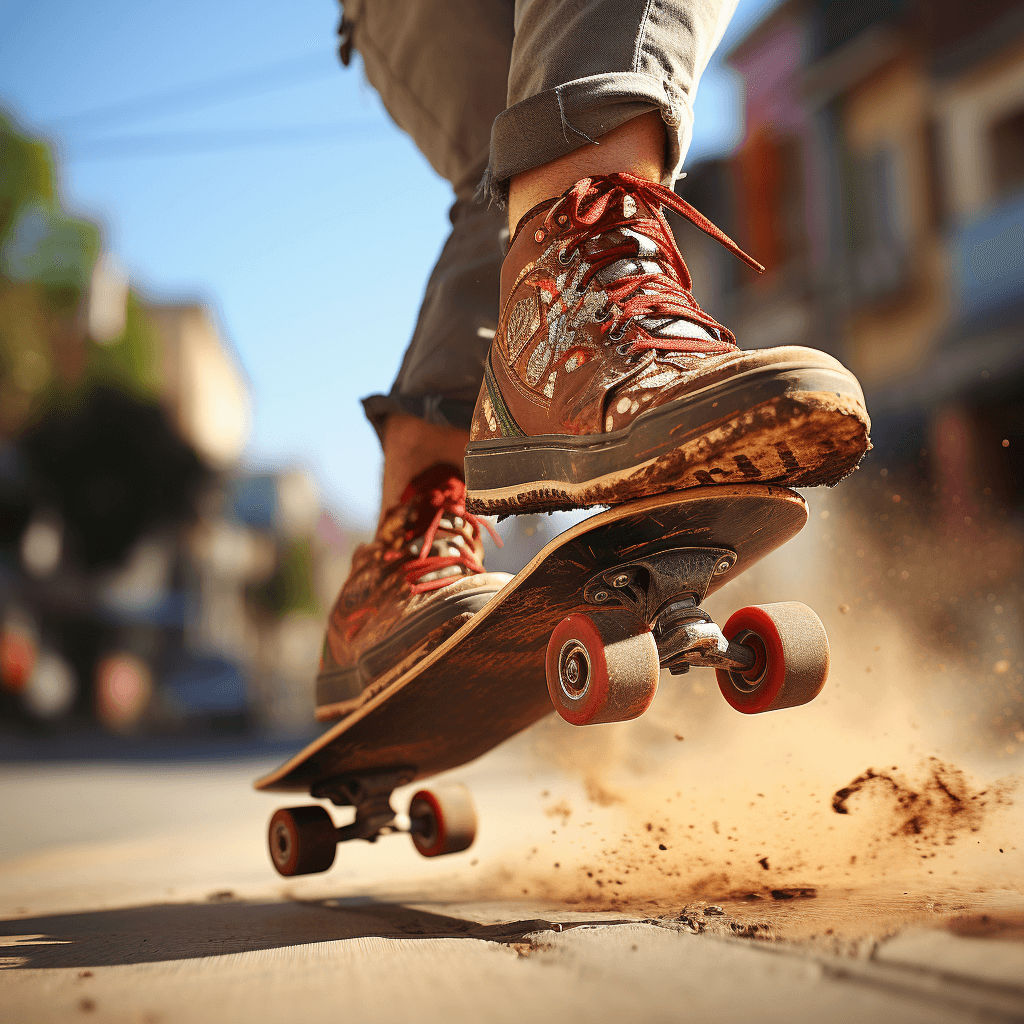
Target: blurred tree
[(95, 446), (131, 362), (291, 588), (26, 174), (114, 469), (46, 263)]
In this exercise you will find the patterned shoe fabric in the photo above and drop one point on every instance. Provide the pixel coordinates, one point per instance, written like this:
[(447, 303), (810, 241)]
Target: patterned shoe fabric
[(416, 583), (607, 381)]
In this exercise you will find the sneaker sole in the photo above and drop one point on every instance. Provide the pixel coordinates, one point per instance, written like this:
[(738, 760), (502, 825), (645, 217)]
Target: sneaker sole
[(800, 426)]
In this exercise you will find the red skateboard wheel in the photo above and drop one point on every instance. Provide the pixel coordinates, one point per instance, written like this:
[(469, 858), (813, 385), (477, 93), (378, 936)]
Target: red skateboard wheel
[(792, 657), (600, 669)]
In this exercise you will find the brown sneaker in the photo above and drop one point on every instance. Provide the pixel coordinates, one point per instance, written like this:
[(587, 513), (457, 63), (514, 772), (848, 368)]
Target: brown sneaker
[(420, 579), (606, 381)]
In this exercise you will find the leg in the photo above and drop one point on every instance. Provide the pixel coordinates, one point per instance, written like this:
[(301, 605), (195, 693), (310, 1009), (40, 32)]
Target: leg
[(431, 400), (412, 445), (582, 68), (442, 71), (422, 576), (638, 146)]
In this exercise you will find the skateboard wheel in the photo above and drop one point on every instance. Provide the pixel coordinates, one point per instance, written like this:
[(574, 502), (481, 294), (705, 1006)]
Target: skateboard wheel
[(303, 840), (443, 820), (600, 669), (792, 657)]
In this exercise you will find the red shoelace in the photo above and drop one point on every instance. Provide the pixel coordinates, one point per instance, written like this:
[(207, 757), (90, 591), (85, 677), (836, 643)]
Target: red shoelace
[(439, 495), (593, 207)]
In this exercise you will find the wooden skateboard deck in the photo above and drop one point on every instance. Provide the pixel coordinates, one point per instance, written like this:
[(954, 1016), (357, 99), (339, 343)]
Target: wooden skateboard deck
[(487, 681)]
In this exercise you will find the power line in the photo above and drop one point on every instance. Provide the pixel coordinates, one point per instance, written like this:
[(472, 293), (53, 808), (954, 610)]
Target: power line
[(184, 143), (202, 93)]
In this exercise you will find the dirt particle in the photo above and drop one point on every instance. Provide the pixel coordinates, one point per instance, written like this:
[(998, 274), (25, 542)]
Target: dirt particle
[(220, 896), (764, 863), (85, 974), (86, 1005), (560, 810), (1003, 925), (600, 795), (805, 892), (662, 846), (935, 808)]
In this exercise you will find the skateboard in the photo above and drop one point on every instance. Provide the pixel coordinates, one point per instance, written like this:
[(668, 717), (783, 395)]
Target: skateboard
[(583, 630)]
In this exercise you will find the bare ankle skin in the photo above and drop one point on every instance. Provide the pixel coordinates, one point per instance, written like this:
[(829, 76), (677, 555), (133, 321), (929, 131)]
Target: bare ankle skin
[(412, 445), (636, 147)]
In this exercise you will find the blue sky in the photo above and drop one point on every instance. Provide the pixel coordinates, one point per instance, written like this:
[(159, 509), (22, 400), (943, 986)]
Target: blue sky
[(312, 248)]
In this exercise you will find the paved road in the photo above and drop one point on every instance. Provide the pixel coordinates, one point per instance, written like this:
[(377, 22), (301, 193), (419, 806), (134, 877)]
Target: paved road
[(143, 893)]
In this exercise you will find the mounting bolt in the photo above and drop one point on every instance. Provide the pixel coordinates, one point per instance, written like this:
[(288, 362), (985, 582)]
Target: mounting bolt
[(620, 580), (600, 596), (723, 566)]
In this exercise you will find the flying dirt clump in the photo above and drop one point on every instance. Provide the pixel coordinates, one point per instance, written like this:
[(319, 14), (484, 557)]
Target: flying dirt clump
[(931, 811)]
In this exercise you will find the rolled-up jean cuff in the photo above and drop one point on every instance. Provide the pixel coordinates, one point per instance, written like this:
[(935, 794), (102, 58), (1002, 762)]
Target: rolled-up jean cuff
[(436, 409), (551, 124)]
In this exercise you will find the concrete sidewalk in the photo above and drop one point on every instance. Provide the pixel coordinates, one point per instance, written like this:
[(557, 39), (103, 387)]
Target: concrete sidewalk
[(145, 894)]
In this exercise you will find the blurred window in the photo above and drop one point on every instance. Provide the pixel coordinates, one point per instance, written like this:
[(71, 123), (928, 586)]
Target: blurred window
[(1007, 141), (836, 22), (938, 200), (773, 196), (879, 257)]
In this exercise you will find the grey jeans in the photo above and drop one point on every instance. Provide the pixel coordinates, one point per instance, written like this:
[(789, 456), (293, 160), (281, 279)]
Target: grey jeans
[(488, 89)]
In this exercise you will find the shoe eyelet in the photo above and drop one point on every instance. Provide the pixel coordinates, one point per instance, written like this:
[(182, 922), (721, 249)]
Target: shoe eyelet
[(617, 335), (563, 220), (538, 236), (603, 316), (622, 349), (561, 257)]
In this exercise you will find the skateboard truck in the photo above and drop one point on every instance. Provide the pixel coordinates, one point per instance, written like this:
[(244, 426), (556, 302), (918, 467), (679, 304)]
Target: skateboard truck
[(664, 591), (646, 585), (602, 665), (303, 840), (687, 637), (370, 795)]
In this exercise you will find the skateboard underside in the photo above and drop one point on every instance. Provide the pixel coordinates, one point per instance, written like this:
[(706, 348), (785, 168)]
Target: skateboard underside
[(487, 682)]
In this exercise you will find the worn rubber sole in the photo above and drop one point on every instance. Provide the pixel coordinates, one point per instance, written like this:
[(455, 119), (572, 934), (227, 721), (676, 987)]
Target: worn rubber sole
[(800, 427)]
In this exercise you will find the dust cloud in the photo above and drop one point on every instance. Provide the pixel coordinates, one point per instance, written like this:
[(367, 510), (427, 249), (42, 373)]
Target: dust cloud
[(897, 783)]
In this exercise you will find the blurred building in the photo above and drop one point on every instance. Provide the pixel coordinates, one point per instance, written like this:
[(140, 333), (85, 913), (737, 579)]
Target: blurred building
[(201, 383), (147, 579), (881, 181)]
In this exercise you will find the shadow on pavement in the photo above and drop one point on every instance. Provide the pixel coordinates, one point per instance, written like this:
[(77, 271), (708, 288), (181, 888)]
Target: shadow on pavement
[(186, 931)]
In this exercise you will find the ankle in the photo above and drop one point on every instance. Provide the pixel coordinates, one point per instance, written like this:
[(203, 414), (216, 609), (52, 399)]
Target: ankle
[(637, 147), (412, 445)]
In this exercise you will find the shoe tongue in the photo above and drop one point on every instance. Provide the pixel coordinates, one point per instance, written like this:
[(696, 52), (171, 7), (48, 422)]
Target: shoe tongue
[(645, 262)]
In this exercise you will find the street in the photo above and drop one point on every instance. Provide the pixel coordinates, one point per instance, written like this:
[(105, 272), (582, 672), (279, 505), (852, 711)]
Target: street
[(144, 892)]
